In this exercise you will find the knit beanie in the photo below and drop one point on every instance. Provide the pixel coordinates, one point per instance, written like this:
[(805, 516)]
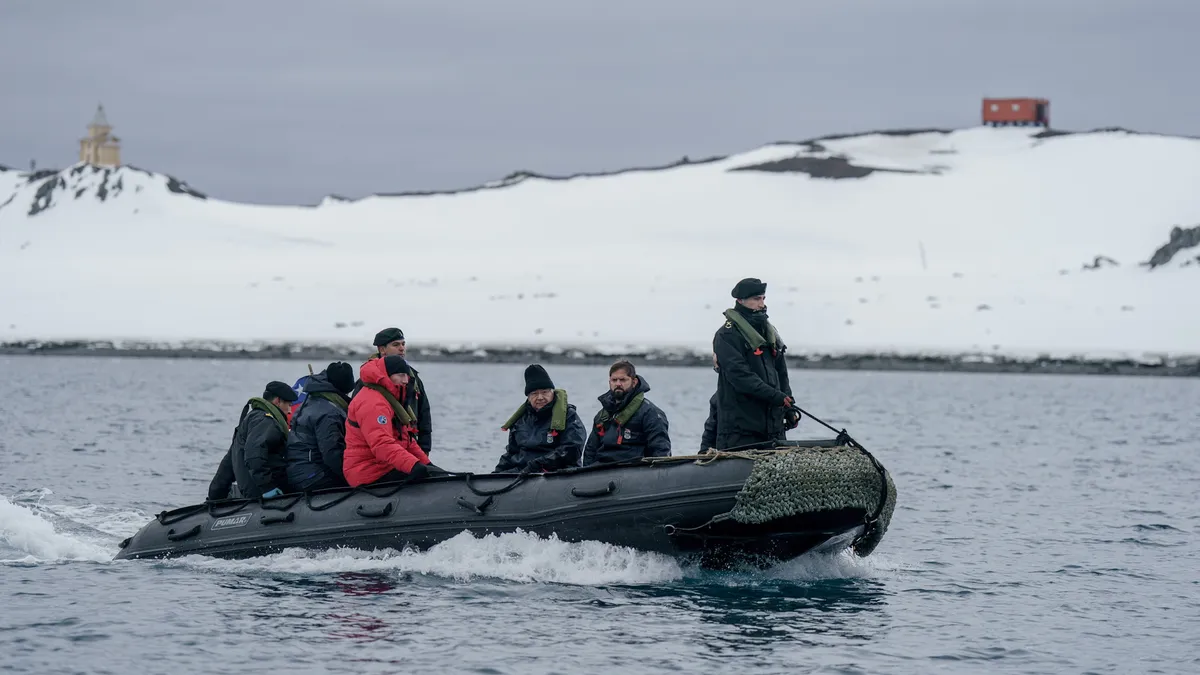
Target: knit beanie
[(537, 378), (396, 365)]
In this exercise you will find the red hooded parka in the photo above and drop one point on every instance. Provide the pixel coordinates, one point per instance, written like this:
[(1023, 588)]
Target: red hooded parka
[(376, 443)]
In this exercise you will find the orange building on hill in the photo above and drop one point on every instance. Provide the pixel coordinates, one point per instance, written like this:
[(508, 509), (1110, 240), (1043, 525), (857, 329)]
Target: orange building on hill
[(998, 112)]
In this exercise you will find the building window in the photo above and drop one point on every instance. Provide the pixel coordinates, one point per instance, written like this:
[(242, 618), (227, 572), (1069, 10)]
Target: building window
[(995, 107), (1016, 107)]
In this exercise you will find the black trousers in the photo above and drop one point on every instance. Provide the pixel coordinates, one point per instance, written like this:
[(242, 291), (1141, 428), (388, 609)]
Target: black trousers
[(738, 440), (325, 481)]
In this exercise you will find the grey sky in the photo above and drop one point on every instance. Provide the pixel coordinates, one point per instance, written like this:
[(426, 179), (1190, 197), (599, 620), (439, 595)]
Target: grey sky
[(284, 101)]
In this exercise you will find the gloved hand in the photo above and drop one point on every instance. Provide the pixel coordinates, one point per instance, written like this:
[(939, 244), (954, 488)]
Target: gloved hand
[(274, 492), (791, 418), (419, 472), (435, 470)]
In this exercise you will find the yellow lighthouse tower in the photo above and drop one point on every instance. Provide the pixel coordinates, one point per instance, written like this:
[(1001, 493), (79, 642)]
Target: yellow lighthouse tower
[(100, 147)]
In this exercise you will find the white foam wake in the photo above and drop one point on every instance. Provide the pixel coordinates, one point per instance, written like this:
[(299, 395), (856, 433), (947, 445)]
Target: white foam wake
[(25, 532), (520, 557)]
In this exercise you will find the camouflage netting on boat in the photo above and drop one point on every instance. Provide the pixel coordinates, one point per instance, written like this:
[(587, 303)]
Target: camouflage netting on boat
[(789, 482)]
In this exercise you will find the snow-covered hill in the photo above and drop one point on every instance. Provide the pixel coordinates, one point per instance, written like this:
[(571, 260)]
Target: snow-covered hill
[(1010, 242)]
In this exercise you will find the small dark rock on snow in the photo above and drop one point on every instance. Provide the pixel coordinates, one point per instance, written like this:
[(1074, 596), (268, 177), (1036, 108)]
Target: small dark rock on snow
[(1179, 240)]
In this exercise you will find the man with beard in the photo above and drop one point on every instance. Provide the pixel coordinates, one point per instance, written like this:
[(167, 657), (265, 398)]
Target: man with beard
[(391, 342), (754, 396), (628, 425)]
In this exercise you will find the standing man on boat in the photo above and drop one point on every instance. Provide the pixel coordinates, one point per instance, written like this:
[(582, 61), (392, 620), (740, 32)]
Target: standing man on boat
[(754, 395), (390, 342), (545, 433), (256, 460), (317, 442), (628, 425)]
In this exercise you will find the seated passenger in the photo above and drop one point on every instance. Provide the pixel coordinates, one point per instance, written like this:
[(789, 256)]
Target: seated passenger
[(388, 342), (256, 459), (381, 432), (318, 439), (545, 433), (628, 425)]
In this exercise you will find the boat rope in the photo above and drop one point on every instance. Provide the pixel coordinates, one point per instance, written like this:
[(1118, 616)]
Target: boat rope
[(843, 437), (499, 491)]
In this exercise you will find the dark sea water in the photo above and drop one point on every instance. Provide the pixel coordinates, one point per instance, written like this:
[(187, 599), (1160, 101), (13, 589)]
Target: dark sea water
[(1044, 525)]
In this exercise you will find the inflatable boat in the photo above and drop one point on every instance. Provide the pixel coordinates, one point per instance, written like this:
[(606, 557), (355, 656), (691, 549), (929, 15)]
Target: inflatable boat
[(730, 508)]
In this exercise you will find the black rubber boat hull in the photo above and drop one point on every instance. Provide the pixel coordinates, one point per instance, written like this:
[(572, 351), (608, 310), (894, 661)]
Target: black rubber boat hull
[(664, 506)]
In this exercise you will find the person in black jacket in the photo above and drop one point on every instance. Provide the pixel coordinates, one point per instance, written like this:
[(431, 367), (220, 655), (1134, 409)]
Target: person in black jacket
[(628, 425), (255, 460), (545, 433), (754, 394), (318, 437), (391, 342)]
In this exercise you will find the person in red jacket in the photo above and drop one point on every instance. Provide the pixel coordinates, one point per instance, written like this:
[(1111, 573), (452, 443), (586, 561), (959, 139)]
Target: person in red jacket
[(381, 431)]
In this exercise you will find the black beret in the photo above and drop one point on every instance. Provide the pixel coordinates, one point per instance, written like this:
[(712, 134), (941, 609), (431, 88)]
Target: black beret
[(387, 335), (749, 288), (276, 388)]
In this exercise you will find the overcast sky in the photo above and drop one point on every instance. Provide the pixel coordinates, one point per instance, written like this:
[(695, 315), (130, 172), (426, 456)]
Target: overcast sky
[(285, 101)]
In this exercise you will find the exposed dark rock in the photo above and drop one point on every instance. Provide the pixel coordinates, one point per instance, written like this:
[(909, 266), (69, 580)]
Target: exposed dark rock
[(44, 198), (1179, 240), (102, 191), (31, 178), (1051, 133), (1101, 261), (835, 167), (179, 187)]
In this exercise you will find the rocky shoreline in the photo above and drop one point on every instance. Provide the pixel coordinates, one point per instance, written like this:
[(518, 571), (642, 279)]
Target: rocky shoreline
[(967, 363)]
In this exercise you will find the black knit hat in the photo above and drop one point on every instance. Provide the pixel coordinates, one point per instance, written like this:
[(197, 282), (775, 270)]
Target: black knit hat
[(341, 375), (276, 388), (537, 378), (396, 365), (387, 335), (749, 288)]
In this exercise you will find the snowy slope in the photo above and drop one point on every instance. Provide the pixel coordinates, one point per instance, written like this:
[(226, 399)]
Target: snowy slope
[(968, 241)]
